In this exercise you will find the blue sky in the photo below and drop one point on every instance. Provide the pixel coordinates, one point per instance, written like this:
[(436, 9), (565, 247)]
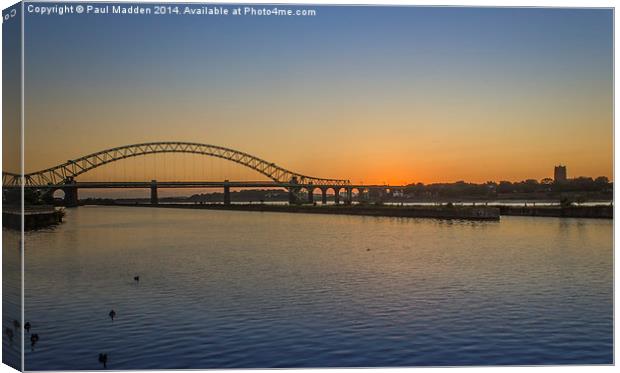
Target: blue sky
[(476, 88)]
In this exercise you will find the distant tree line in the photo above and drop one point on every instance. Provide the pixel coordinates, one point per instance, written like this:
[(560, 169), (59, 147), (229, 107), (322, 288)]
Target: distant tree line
[(491, 189), (253, 195)]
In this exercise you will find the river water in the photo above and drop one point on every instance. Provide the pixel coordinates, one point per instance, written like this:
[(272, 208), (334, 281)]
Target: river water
[(246, 289)]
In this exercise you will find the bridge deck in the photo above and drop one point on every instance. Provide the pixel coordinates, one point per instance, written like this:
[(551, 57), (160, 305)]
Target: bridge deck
[(200, 184)]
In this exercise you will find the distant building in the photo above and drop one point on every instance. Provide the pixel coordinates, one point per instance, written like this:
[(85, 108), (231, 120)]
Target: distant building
[(559, 173)]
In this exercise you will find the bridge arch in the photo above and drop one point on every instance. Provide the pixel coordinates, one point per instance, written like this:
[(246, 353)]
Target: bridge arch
[(58, 193), (66, 172)]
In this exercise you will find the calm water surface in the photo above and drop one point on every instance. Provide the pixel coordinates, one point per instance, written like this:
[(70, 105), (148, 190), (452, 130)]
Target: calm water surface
[(245, 289)]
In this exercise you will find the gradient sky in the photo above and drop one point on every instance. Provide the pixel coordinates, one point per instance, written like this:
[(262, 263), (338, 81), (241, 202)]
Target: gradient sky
[(373, 94)]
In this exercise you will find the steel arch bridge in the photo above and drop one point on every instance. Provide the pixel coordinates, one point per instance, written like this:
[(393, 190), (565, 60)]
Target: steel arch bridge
[(61, 174)]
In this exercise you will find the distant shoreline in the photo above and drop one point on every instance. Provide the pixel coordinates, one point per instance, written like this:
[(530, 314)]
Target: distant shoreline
[(441, 212), (436, 212)]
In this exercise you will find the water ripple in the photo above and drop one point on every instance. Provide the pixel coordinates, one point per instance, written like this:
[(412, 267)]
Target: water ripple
[(275, 290)]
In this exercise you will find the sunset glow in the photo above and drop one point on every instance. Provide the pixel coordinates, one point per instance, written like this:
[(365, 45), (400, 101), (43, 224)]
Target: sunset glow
[(433, 95)]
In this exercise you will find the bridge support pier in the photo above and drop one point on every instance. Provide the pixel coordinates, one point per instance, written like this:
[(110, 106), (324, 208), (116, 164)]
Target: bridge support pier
[(226, 193), (349, 197), (71, 196), (323, 196), (13, 196), (362, 196), (337, 196), (310, 190), (154, 198), (292, 192), (292, 196)]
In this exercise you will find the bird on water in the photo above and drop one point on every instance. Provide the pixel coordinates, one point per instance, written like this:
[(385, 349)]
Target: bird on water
[(112, 314), (27, 326), (136, 278), (34, 339), (103, 359)]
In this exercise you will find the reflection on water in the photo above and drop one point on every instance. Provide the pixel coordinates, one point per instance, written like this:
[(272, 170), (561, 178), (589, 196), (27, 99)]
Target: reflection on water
[(247, 289)]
